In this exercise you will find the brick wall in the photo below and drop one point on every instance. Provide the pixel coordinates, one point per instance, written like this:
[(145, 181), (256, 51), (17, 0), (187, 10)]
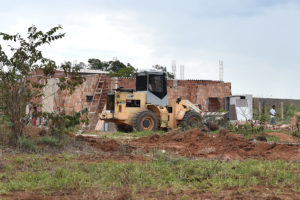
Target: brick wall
[(78, 99), (197, 91), (127, 83)]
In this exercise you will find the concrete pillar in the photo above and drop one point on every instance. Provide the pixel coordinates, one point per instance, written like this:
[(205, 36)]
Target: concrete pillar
[(114, 83)]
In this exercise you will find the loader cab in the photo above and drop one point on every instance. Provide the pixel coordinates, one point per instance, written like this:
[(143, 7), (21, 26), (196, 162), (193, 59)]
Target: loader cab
[(154, 84)]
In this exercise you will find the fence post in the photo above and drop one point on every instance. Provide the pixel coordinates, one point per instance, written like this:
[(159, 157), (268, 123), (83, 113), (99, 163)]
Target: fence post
[(259, 108), (281, 110)]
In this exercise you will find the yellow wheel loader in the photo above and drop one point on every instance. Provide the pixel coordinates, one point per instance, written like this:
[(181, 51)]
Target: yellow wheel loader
[(148, 108)]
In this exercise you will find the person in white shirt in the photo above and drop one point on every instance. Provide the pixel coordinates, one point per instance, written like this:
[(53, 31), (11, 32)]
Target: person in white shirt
[(272, 115)]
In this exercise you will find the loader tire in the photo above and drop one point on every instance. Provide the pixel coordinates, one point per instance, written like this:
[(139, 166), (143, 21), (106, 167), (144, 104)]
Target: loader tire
[(124, 128), (191, 120), (145, 120)]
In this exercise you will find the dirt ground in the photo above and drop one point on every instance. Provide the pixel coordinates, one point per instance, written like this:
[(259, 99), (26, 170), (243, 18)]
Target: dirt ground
[(196, 144), (166, 194)]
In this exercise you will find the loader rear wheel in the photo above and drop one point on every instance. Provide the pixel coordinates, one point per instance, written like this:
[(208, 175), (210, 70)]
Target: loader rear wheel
[(191, 120), (145, 121)]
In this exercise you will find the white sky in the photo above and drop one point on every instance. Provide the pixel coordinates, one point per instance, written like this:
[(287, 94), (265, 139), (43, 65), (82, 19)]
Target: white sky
[(258, 40)]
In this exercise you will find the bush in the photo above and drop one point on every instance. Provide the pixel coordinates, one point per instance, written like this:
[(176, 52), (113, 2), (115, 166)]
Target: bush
[(61, 123), (296, 134)]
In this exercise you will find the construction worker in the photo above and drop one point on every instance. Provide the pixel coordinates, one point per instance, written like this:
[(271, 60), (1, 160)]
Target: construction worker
[(272, 115)]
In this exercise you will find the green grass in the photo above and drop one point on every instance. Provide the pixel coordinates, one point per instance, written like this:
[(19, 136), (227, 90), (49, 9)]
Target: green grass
[(135, 134), (49, 140), (273, 139), (48, 174)]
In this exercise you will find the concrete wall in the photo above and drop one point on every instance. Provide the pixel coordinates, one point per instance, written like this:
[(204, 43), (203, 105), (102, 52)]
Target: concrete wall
[(268, 102)]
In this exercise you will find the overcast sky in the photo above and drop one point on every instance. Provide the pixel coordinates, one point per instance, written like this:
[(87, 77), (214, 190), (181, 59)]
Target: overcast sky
[(258, 40)]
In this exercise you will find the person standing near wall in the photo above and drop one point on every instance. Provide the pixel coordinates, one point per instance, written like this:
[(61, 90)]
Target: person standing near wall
[(272, 115)]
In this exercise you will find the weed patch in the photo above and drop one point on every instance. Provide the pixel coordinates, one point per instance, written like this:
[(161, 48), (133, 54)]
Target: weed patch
[(28, 144), (137, 134), (246, 129), (49, 140)]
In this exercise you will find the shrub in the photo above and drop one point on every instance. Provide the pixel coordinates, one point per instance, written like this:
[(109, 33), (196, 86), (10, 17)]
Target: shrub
[(245, 129), (28, 144)]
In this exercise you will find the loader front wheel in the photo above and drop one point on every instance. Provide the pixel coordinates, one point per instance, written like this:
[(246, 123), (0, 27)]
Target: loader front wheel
[(145, 121), (191, 120)]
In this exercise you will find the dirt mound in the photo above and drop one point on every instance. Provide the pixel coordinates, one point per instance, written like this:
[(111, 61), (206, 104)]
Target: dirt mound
[(197, 144), (227, 146), (107, 145)]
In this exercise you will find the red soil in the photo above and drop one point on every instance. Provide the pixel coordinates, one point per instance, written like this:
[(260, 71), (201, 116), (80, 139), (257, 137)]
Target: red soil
[(106, 145), (196, 144), (225, 145)]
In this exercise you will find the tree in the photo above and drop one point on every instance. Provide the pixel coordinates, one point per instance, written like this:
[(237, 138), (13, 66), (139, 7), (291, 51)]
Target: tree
[(164, 69), (18, 81), (123, 71), (98, 64), (115, 67)]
